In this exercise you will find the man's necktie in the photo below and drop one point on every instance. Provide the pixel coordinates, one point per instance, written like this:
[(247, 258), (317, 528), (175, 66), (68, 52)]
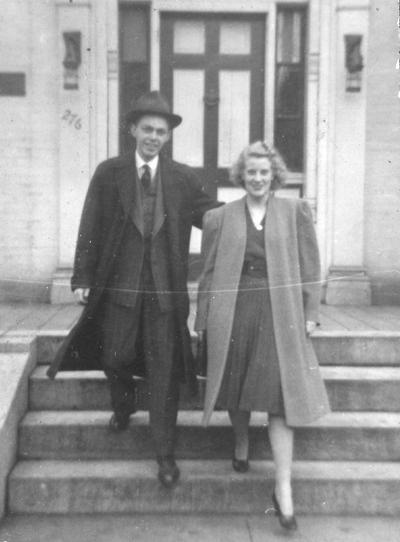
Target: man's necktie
[(146, 178)]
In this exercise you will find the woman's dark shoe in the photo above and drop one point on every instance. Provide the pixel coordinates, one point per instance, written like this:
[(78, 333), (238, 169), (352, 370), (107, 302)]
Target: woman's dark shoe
[(119, 422), (287, 522), (240, 465)]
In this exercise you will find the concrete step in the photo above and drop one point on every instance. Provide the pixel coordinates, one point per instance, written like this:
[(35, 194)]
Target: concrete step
[(84, 487), (193, 527), (349, 389), (17, 343), (88, 390), (365, 348), (343, 436), (332, 347)]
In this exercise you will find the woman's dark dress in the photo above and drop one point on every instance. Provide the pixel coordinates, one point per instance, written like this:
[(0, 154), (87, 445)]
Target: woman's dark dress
[(252, 378)]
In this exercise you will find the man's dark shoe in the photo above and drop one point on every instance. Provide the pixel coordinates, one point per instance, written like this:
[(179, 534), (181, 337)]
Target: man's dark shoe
[(168, 471), (240, 465), (119, 422)]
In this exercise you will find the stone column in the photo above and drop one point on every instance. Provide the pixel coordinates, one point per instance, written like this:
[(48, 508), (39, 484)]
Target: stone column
[(348, 282), (319, 121), (112, 77), (73, 77), (88, 118)]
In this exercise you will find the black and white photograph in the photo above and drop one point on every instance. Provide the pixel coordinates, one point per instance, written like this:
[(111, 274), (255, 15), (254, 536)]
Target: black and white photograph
[(199, 270)]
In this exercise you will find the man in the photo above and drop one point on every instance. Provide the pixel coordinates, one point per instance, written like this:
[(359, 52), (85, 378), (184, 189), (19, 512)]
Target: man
[(130, 270)]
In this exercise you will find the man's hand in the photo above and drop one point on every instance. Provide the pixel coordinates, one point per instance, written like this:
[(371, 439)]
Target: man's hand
[(82, 295), (310, 327)]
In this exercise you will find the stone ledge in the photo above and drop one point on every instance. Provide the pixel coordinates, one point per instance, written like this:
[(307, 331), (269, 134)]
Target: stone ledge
[(320, 487), (12, 343), (348, 286), (15, 368), (349, 388), (347, 347), (77, 435)]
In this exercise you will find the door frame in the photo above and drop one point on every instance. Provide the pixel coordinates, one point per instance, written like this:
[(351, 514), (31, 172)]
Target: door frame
[(265, 9), (252, 62), (320, 90)]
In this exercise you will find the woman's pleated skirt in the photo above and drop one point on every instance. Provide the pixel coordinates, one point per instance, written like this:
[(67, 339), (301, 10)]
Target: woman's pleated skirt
[(252, 377)]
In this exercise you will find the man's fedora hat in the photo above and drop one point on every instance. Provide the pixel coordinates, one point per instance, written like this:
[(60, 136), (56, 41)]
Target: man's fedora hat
[(152, 103)]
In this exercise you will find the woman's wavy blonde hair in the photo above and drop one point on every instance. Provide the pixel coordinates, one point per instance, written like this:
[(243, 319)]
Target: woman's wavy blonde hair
[(260, 149)]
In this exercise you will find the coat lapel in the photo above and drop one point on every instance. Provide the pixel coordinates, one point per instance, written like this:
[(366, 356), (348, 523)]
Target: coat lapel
[(223, 295), (276, 224), (233, 237), (170, 197), (159, 213), (128, 187)]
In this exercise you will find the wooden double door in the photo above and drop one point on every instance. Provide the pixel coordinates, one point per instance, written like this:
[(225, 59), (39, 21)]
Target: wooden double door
[(212, 72)]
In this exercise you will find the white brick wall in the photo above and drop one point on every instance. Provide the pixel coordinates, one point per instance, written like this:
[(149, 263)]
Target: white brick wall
[(382, 194), (28, 152)]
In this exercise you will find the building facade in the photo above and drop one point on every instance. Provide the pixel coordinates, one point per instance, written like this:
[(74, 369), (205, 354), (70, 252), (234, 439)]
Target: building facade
[(318, 78)]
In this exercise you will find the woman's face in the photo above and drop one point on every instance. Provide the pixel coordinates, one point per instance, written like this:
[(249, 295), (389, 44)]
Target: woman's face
[(257, 177)]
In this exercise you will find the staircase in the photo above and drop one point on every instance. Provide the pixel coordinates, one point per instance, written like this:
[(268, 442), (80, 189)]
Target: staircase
[(346, 463)]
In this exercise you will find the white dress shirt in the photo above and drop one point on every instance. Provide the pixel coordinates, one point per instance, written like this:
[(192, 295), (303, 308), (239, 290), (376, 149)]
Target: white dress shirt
[(153, 165)]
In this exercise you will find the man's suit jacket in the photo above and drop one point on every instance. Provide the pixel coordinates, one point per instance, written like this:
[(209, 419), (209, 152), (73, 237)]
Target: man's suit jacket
[(110, 249)]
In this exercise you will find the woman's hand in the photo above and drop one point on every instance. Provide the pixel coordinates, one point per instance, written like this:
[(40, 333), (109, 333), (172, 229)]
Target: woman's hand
[(82, 295), (310, 327)]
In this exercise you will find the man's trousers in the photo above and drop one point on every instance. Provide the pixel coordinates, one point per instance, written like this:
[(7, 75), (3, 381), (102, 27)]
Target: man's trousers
[(142, 341)]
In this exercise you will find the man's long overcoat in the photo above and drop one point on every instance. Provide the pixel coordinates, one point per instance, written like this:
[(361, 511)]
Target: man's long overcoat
[(110, 251), (294, 281)]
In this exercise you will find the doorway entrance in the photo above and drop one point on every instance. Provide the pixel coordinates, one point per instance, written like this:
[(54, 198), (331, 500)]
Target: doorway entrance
[(212, 72)]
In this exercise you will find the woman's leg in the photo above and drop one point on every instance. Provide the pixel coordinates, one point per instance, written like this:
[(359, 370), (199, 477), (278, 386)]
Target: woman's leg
[(281, 438), (240, 422)]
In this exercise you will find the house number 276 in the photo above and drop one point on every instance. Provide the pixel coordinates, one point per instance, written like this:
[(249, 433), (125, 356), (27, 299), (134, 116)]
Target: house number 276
[(72, 119)]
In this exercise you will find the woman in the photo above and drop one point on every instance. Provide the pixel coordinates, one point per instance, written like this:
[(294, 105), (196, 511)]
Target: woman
[(258, 301)]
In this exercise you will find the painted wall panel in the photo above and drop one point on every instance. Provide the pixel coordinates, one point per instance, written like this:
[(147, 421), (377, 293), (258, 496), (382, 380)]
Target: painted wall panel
[(234, 115), (188, 100)]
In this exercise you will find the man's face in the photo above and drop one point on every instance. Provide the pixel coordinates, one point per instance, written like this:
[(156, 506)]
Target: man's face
[(151, 133)]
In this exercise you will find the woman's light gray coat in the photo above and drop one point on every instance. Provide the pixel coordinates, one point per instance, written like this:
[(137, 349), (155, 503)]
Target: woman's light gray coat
[(294, 280)]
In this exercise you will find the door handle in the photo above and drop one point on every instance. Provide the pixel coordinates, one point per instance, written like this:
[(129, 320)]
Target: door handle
[(211, 99)]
